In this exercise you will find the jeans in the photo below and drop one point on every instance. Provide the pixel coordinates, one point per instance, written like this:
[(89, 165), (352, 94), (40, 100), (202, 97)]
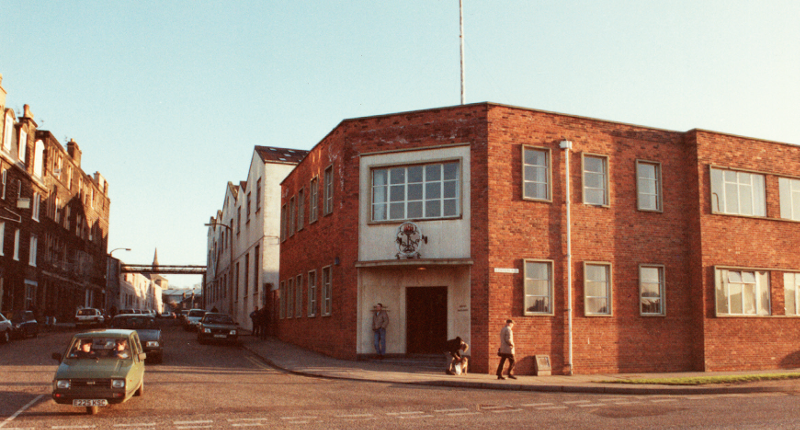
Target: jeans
[(380, 341)]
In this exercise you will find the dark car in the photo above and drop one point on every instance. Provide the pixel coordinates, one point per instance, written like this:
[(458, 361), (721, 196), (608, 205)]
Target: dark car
[(217, 327), (99, 368), (5, 329), (148, 330), (24, 324)]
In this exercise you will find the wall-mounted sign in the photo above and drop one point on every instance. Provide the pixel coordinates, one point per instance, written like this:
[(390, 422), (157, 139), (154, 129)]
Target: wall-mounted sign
[(409, 241), (502, 270)]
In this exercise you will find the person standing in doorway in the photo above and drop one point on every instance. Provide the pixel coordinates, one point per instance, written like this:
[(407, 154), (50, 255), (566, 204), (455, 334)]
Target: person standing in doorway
[(254, 319), (380, 320), (506, 351)]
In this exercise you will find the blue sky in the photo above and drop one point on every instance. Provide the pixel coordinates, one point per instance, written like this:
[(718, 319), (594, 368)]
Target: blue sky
[(167, 98)]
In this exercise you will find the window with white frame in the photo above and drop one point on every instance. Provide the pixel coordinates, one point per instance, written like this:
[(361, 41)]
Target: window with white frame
[(327, 291), (790, 198), (422, 191), (7, 133), (312, 293), (648, 186), (282, 300), (23, 146), (290, 298), (301, 208), (298, 303), (597, 288), (32, 250), (738, 193), (651, 289), (5, 182), (37, 199), (2, 237), (595, 180), (16, 245), (313, 200), (538, 287), (536, 175), (38, 158), (791, 293), (327, 192), (742, 292), (57, 210)]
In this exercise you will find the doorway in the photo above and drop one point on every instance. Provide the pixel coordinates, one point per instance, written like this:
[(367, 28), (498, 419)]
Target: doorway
[(426, 320)]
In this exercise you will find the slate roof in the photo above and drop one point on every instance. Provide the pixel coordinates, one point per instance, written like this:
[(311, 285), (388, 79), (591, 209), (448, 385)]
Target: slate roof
[(280, 155)]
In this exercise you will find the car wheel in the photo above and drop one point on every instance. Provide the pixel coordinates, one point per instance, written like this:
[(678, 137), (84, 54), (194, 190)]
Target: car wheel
[(5, 337), (140, 391), (92, 410)]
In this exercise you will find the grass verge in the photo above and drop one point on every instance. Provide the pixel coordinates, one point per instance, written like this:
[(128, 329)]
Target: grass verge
[(704, 380)]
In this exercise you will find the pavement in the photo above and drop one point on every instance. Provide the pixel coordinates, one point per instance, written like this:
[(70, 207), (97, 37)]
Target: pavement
[(294, 359)]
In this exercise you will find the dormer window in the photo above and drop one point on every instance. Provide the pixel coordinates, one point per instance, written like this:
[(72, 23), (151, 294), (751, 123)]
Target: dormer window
[(23, 145), (7, 133)]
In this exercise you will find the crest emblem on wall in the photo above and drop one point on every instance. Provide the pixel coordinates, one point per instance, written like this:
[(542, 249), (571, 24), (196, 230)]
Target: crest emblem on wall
[(409, 241)]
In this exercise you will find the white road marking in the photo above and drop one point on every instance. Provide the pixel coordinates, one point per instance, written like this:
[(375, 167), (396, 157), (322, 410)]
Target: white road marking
[(21, 410), (136, 425), (442, 411), (299, 418), (404, 413), (536, 405), (250, 424), (489, 408), (628, 403), (414, 417), (664, 400), (354, 416), (459, 414), (185, 423), (591, 405), (503, 411), (575, 402), (551, 408)]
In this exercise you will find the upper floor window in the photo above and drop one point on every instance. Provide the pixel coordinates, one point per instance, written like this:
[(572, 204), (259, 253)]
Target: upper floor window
[(535, 173), (7, 133), (738, 193), (291, 216), (37, 200), (538, 287), (38, 159), (258, 195), (648, 186), (597, 288), (742, 292), (283, 223), (238, 219), (2, 237), (790, 198), (651, 290), (5, 182), (16, 245), (301, 209), (327, 196), (595, 180), (791, 293), (313, 200), (23, 145), (32, 250), (247, 209), (428, 191)]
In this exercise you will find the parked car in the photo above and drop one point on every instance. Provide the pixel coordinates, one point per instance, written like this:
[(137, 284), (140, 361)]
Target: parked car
[(99, 368), (192, 318), (129, 311), (5, 329), (88, 317), (217, 327), (149, 333), (24, 324)]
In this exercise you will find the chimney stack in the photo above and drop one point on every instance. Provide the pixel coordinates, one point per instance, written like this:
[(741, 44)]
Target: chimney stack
[(75, 152)]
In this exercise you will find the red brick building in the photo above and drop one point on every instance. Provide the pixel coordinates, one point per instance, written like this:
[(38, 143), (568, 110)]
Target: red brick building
[(675, 247)]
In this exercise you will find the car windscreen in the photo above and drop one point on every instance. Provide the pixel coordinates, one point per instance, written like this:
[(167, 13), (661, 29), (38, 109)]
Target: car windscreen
[(99, 347), (218, 319), (133, 322), (196, 313), (84, 312)]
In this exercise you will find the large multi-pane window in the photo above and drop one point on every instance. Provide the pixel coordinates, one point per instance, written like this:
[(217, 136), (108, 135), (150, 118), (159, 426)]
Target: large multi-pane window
[(651, 290), (301, 208), (7, 133), (597, 288), (2, 236), (790, 198), (312, 293), (742, 292), (648, 186), (791, 293), (595, 180), (298, 291), (426, 191), (32, 250), (313, 201), (538, 287), (327, 291), (536, 173), (327, 192), (738, 193)]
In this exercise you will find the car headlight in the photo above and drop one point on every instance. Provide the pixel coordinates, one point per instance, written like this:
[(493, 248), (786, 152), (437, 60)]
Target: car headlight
[(16, 327), (233, 332), (152, 343), (206, 330), (117, 383), (63, 384)]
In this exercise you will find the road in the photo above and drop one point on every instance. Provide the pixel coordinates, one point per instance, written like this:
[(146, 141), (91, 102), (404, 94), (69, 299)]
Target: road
[(219, 386)]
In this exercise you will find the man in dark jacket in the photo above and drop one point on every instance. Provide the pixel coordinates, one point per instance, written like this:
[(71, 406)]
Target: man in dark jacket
[(455, 347)]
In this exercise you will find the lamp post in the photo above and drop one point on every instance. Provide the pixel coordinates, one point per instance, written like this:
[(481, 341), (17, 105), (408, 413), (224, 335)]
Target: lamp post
[(117, 249), (230, 262)]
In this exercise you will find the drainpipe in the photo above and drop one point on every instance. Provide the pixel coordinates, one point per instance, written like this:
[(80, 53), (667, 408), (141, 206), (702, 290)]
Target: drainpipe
[(566, 145)]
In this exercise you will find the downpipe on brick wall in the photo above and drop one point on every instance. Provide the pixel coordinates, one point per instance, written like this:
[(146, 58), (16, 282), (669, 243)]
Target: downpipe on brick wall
[(566, 145)]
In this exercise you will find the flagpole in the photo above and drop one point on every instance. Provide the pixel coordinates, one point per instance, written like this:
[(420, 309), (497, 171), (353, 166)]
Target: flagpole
[(461, 37)]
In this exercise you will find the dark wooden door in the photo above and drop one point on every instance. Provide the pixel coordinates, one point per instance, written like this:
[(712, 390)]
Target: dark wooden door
[(426, 319)]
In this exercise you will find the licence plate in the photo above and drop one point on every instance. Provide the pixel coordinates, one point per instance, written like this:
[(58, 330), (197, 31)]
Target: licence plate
[(220, 336), (94, 402)]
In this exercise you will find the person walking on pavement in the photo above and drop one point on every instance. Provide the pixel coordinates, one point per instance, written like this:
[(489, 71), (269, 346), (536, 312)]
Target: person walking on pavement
[(380, 320), (254, 319), (506, 351), (455, 347)]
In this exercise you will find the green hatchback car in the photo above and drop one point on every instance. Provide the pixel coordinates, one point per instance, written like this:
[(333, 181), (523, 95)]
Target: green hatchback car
[(100, 368)]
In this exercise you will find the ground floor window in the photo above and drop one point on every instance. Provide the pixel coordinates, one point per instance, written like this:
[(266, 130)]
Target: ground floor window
[(538, 287), (597, 288), (742, 292), (791, 292), (651, 290), (327, 291)]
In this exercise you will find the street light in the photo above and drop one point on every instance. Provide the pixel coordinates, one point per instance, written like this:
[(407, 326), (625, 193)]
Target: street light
[(117, 249), (230, 262)]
